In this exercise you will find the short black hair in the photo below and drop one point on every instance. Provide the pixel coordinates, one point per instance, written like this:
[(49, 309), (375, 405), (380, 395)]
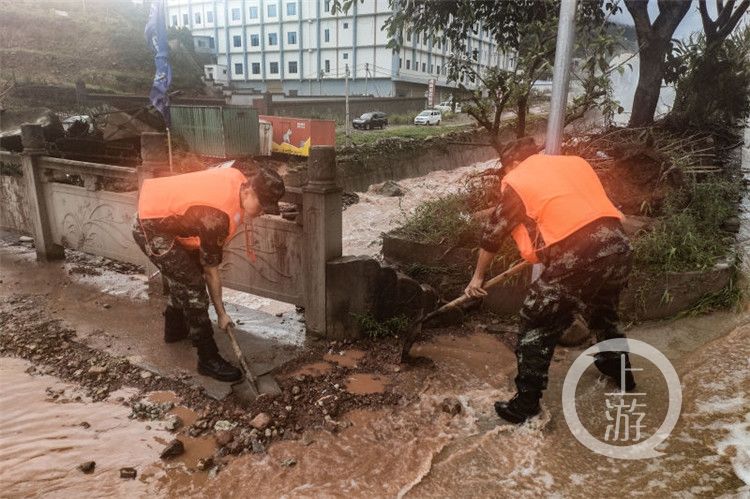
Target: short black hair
[(518, 150)]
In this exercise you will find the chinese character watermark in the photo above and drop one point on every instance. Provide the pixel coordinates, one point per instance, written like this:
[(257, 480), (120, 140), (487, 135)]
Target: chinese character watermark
[(624, 410)]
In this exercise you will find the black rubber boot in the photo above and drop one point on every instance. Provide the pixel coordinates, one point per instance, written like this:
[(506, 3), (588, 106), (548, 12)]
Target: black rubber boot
[(609, 364), (210, 363), (522, 407), (218, 368), (175, 325)]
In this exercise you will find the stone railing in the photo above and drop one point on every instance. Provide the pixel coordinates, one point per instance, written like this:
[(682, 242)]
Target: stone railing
[(84, 215)]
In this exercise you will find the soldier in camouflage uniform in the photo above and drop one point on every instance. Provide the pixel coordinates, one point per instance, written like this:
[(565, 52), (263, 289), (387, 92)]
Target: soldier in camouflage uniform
[(583, 273), (188, 267)]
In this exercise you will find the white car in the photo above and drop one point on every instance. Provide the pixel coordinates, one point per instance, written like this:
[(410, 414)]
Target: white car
[(428, 117), (447, 106)]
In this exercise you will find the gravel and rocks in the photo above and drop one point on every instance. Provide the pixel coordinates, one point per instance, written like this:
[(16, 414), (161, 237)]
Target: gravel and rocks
[(306, 402)]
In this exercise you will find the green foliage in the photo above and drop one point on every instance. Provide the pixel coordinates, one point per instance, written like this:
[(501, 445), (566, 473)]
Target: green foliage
[(375, 329), (689, 236), (712, 81), (445, 220)]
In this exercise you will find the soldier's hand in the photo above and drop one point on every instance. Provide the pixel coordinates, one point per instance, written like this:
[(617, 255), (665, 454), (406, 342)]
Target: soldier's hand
[(224, 322), (474, 289)]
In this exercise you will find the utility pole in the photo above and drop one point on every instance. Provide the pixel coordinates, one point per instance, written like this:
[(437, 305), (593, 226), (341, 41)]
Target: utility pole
[(566, 31), (346, 99), (566, 34), (367, 72)]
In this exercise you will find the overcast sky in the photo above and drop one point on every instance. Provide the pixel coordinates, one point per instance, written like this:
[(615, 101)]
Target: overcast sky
[(690, 23)]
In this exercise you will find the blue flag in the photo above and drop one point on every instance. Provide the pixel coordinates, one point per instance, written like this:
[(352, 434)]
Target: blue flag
[(156, 36)]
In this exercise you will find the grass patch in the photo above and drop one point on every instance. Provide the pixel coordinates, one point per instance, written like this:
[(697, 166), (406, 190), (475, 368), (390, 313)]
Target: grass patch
[(367, 137), (689, 236), (445, 220), (375, 329)]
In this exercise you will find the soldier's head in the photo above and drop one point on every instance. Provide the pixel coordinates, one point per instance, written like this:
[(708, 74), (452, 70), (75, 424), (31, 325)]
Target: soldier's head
[(262, 191), (517, 151)]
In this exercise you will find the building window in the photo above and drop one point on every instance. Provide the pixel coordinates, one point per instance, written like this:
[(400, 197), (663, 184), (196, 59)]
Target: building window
[(291, 37), (273, 39), (346, 25), (237, 41), (292, 67), (438, 70), (271, 10), (174, 20), (346, 56), (408, 36), (256, 68), (431, 68), (439, 44), (235, 14), (291, 10), (185, 20), (424, 67), (238, 68), (211, 42), (254, 40), (424, 39), (197, 18), (274, 68), (209, 17), (408, 64), (253, 12), (327, 6), (399, 63), (327, 35), (328, 66)]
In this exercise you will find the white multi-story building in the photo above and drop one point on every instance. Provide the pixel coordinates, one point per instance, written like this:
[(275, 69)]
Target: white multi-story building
[(299, 46)]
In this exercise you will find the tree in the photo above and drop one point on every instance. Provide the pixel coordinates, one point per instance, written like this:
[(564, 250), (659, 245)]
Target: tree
[(727, 19), (525, 28), (654, 40)]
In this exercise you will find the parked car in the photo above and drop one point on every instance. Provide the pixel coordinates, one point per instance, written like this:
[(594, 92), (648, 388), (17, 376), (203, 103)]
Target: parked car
[(428, 117), (371, 120), (447, 106)]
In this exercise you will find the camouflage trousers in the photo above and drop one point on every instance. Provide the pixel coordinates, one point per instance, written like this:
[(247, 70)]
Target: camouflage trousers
[(180, 267), (586, 277)]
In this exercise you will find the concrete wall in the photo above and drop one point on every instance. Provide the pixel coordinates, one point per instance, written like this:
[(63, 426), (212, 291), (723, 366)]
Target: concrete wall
[(14, 214)]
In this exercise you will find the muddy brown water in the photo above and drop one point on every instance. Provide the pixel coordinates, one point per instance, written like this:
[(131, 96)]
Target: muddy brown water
[(413, 451)]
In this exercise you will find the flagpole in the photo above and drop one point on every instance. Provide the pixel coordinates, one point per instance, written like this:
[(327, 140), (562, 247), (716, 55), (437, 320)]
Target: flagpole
[(169, 148)]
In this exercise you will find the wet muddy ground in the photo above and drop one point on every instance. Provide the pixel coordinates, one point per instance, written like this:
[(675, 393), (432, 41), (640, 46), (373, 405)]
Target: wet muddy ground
[(351, 421)]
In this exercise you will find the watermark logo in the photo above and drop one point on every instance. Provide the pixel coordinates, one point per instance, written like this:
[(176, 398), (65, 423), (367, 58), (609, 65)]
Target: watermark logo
[(624, 410)]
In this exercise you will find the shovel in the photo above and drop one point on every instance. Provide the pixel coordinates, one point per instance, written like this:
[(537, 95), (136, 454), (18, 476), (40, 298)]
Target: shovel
[(250, 387), (416, 327)]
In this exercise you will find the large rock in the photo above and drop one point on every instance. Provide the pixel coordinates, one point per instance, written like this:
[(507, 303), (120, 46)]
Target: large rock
[(261, 421), (388, 188)]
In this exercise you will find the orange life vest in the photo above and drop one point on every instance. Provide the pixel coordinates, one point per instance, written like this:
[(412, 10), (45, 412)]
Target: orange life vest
[(167, 196), (561, 194)]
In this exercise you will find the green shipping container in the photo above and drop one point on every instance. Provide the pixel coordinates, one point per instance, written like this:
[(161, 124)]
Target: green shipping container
[(218, 131)]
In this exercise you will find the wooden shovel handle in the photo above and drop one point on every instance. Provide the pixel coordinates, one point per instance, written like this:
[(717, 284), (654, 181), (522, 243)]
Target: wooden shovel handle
[(238, 353), (487, 285)]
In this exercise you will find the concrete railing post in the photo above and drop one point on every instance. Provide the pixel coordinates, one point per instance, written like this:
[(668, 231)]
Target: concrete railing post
[(32, 138), (321, 205)]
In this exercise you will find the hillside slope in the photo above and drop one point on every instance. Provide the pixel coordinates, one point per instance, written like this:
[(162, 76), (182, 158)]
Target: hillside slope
[(100, 42)]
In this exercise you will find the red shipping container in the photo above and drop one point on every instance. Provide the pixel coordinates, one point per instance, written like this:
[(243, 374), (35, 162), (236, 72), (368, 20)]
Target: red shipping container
[(297, 135)]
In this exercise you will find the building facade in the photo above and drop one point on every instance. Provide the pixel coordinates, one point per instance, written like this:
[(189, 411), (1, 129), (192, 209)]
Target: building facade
[(298, 47)]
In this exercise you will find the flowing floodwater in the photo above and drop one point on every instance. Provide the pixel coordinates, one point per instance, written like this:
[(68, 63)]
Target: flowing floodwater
[(364, 222)]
